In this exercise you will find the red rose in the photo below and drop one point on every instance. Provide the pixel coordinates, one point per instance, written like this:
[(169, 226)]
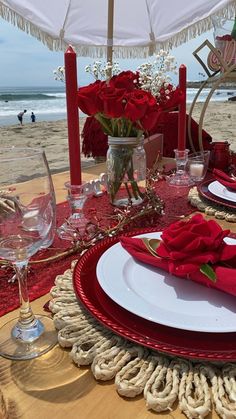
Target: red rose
[(112, 100), (149, 120), (125, 80), (138, 104), (227, 37), (170, 100), (188, 245), (175, 98), (88, 98)]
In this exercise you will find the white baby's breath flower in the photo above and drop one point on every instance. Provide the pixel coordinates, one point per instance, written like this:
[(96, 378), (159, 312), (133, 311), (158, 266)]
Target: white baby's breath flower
[(102, 71), (154, 76), (59, 73)]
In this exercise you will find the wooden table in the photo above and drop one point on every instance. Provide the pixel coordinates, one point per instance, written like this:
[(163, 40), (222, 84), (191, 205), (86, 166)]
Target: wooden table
[(52, 387)]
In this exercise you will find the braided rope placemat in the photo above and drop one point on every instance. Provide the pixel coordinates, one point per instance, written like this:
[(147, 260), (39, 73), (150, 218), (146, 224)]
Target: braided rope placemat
[(198, 387), (218, 211)]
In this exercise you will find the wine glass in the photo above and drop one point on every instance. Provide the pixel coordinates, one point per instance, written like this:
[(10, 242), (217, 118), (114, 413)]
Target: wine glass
[(27, 218)]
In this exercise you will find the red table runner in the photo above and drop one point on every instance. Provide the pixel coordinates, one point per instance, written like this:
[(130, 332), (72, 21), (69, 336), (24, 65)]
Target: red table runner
[(41, 276)]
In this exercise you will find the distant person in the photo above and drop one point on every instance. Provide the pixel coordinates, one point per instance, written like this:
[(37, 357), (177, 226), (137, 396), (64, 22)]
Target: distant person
[(33, 117), (20, 116)]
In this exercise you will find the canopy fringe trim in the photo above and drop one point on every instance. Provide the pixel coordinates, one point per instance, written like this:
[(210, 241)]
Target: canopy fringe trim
[(198, 28), (154, 46)]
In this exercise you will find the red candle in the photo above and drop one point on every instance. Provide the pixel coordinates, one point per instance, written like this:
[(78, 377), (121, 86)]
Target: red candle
[(182, 110), (72, 116)]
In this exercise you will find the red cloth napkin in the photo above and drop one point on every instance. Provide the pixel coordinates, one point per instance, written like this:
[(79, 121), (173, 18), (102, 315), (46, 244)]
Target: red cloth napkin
[(224, 179), (182, 254)]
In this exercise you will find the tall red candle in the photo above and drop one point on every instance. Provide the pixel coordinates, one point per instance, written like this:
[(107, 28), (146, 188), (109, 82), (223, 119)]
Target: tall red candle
[(72, 116), (182, 109)]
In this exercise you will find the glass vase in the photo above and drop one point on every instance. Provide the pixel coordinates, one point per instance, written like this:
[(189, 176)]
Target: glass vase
[(126, 170)]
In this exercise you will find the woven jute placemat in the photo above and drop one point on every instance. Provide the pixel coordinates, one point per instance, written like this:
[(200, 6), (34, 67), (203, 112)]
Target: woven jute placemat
[(218, 211), (199, 387)]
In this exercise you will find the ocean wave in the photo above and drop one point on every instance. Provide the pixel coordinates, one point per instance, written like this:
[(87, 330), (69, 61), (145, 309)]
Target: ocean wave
[(10, 97)]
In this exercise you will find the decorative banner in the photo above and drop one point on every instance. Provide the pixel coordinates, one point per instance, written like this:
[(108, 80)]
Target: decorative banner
[(227, 50)]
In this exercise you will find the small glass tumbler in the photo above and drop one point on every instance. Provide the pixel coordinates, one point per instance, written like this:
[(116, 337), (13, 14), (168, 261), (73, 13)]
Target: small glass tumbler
[(197, 165), (220, 155)]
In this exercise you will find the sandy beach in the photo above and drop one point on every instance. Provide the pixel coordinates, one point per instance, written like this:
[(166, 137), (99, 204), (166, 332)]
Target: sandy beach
[(219, 122)]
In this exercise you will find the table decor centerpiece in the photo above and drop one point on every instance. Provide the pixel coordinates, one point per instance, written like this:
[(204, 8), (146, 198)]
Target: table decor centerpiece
[(128, 106)]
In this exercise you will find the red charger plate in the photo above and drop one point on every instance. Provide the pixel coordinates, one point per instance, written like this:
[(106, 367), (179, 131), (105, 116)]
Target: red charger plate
[(172, 341), (203, 191)]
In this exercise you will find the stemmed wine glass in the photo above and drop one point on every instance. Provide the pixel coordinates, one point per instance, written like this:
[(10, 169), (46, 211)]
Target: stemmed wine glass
[(27, 219)]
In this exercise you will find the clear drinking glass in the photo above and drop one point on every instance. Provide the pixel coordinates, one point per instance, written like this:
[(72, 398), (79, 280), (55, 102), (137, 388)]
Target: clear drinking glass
[(27, 219)]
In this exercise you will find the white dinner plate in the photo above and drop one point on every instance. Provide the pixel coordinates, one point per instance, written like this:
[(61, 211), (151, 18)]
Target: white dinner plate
[(155, 295), (217, 189)]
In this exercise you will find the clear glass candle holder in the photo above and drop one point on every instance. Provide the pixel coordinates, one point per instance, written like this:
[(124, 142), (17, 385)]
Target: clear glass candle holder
[(181, 176), (74, 227), (197, 165)]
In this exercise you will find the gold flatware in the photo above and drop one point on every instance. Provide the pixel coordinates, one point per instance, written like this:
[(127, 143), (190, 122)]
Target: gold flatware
[(152, 245)]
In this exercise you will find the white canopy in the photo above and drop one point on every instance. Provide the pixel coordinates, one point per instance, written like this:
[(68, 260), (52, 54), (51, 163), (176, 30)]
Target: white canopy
[(141, 27)]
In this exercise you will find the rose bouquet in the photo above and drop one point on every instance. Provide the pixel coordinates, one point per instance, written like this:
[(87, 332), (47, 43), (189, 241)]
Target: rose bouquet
[(125, 106), (122, 108)]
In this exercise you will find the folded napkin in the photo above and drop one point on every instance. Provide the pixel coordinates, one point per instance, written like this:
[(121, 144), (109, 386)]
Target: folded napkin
[(224, 179), (189, 248)]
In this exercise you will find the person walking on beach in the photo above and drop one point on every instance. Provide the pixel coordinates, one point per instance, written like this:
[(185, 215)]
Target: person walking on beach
[(33, 117), (20, 116)]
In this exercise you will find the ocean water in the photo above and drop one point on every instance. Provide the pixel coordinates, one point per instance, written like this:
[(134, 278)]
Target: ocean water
[(49, 103)]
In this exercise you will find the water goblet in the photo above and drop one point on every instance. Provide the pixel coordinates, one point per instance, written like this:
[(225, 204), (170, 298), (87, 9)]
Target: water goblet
[(27, 217)]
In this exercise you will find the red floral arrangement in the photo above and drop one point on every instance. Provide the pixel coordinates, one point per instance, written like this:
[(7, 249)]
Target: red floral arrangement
[(123, 108)]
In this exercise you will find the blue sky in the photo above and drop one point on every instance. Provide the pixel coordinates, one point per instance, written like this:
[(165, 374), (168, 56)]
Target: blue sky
[(27, 62)]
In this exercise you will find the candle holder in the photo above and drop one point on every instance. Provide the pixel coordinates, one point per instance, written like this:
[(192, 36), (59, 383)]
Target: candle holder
[(197, 165), (75, 225), (181, 176)]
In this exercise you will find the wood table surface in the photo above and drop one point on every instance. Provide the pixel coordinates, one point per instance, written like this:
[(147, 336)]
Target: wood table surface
[(52, 386)]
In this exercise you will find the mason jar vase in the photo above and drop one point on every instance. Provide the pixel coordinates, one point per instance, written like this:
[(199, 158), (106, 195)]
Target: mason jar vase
[(126, 170)]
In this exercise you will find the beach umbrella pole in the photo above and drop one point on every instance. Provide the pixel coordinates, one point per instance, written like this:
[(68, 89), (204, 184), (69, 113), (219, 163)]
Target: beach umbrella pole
[(110, 29)]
